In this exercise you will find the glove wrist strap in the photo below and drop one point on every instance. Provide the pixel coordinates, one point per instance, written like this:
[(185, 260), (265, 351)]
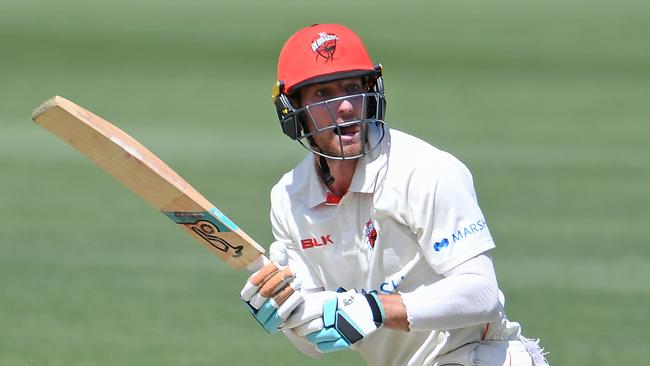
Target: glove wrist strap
[(378, 315)]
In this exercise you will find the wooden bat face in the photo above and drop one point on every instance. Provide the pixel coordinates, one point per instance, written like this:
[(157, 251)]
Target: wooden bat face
[(149, 177)]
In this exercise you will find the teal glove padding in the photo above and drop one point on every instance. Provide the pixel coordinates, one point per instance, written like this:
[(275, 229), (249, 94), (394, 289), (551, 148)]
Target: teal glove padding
[(267, 316), (347, 319), (270, 295)]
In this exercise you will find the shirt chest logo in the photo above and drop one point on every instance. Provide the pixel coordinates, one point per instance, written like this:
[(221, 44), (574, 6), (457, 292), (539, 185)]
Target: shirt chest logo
[(370, 233), (315, 243)]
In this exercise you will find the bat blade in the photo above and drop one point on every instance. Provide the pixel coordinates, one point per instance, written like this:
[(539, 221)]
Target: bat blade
[(150, 178)]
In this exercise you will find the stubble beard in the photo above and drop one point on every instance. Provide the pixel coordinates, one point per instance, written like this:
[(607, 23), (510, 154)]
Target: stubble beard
[(333, 145)]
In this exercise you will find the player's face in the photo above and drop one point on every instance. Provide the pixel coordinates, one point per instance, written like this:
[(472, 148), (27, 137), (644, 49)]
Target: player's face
[(348, 139)]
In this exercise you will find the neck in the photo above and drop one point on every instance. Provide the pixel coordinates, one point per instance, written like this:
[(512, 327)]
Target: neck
[(342, 171)]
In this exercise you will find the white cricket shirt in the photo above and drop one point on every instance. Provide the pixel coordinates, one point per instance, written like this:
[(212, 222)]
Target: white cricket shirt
[(410, 214)]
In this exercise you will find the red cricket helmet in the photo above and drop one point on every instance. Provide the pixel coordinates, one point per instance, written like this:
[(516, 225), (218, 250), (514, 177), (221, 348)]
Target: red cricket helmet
[(322, 53)]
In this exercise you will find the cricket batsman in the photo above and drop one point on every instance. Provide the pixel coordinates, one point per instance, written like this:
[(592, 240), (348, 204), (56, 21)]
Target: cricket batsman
[(380, 244)]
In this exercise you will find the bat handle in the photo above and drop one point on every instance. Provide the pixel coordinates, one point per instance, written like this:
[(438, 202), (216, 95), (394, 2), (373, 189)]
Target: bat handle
[(257, 264)]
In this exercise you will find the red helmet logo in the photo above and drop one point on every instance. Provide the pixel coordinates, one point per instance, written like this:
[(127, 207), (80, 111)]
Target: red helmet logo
[(319, 51), (325, 46)]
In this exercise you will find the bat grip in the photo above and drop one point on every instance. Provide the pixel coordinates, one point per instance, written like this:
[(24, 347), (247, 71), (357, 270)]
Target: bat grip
[(257, 264)]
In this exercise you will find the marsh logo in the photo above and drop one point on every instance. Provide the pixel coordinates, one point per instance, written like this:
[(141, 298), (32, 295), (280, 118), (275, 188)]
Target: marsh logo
[(441, 244), (461, 234)]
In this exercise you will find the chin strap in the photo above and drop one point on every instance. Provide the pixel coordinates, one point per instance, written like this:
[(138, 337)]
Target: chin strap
[(325, 171)]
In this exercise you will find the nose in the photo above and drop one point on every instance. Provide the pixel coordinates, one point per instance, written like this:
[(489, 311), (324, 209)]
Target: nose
[(346, 109)]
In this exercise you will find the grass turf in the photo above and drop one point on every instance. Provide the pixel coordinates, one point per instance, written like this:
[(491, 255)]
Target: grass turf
[(545, 102)]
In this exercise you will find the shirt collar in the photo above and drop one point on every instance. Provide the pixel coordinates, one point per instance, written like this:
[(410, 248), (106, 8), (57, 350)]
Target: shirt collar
[(366, 173)]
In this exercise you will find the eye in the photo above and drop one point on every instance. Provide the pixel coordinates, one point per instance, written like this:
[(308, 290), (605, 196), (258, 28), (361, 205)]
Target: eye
[(323, 93), (353, 88)]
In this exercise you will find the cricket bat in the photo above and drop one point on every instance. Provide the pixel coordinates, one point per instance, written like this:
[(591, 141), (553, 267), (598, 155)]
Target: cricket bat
[(150, 178)]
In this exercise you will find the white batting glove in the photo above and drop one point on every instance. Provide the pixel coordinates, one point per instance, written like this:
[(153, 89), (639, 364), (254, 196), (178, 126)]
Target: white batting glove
[(271, 295), (308, 317), (278, 253), (334, 321)]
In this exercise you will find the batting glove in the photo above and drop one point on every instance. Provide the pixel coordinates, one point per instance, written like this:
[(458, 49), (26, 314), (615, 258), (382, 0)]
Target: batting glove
[(271, 295), (335, 321)]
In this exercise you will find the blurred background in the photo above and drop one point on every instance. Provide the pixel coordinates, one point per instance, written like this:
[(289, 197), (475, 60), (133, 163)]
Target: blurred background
[(547, 102)]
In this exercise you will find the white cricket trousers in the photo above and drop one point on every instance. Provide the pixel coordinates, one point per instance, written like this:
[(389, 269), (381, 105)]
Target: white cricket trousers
[(489, 353)]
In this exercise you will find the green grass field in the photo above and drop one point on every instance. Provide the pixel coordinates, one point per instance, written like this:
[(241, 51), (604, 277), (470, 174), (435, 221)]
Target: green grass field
[(546, 102)]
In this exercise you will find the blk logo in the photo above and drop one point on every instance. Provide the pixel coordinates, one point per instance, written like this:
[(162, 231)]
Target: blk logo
[(313, 242)]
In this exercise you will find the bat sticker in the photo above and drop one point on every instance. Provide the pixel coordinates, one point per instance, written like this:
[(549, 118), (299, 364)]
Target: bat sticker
[(207, 227)]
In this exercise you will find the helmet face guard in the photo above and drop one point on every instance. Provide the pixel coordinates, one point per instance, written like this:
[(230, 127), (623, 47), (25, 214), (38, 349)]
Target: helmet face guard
[(323, 53), (299, 122)]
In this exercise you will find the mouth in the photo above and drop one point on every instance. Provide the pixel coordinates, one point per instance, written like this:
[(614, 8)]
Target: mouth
[(350, 130)]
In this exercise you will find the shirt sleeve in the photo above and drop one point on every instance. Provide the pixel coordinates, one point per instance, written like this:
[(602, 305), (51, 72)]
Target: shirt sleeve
[(284, 249), (468, 295), (445, 215)]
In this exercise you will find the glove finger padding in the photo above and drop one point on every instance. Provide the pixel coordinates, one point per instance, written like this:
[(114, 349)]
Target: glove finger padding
[(288, 299), (272, 286), (271, 295), (256, 280), (272, 314), (309, 327), (309, 310), (267, 281)]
